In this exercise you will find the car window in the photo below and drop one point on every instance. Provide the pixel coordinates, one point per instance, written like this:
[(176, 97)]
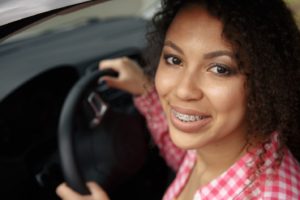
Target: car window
[(105, 10), (295, 6), (13, 10)]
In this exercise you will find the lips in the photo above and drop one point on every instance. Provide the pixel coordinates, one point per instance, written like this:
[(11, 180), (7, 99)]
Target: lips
[(187, 120)]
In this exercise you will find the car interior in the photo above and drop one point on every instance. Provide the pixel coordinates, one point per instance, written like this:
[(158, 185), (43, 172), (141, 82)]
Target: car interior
[(38, 71), (46, 58)]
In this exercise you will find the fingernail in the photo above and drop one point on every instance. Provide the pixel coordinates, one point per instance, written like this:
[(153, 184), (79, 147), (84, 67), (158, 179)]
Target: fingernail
[(101, 81)]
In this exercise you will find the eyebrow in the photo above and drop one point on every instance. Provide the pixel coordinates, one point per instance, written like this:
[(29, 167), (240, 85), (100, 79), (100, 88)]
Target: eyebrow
[(218, 53), (208, 55), (173, 46)]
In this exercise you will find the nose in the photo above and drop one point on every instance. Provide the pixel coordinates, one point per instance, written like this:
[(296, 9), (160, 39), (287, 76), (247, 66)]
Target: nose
[(188, 87)]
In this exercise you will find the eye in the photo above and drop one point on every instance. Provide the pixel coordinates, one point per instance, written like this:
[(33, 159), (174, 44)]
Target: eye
[(172, 60), (221, 70)]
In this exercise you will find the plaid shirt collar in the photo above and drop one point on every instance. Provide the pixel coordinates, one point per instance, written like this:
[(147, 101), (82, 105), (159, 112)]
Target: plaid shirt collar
[(235, 183)]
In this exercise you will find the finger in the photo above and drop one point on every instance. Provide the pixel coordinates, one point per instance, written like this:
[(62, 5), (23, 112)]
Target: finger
[(97, 192), (65, 192), (109, 64), (115, 63), (112, 82)]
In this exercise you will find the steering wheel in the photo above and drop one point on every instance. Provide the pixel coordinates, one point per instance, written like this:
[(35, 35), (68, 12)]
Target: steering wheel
[(97, 140)]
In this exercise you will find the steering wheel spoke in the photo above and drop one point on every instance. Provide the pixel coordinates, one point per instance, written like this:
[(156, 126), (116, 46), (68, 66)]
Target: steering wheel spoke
[(99, 108)]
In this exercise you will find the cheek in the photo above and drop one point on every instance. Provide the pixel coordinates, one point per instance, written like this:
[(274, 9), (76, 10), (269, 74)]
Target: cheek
[(228, 98), (163, 81)]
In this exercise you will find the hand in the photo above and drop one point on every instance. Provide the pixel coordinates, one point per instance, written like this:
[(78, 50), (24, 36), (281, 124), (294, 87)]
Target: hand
[(131, 77), (66, 193)]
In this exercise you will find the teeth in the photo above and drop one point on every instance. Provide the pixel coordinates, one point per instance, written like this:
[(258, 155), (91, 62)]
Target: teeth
[(187, 118)]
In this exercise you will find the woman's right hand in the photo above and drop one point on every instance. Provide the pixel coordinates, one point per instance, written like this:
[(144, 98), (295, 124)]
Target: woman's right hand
[(131, 77)]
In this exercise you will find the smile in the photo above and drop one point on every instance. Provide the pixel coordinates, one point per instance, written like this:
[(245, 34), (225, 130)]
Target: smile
[(187, 118), (189, 121)]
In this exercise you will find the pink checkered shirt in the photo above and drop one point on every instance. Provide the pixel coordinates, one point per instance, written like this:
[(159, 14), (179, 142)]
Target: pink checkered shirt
[(273, 182)]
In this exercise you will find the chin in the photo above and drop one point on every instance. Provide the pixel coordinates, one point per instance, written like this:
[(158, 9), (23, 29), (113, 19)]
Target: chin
[(185, 141)]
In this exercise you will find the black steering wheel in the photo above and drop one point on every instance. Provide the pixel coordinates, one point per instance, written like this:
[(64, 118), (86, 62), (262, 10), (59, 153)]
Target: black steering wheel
[(98, 140)]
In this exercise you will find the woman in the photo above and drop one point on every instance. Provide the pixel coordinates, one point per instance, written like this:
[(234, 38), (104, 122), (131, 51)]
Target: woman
[(227, 81)]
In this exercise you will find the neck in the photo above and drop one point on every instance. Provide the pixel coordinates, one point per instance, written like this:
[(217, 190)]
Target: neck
[(218, 157)]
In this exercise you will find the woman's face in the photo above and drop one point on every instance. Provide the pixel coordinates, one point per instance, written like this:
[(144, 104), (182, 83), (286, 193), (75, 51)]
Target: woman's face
[(199, 85)]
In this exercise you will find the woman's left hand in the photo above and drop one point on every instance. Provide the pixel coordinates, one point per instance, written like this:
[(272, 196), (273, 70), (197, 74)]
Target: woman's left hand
[(66, 193)]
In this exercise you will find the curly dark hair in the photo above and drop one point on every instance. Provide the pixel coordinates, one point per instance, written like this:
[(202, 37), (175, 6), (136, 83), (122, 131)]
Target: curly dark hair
[(266, 41)]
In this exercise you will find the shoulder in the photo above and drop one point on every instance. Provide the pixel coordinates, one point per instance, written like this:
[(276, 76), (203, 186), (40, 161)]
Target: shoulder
[(283, 182)]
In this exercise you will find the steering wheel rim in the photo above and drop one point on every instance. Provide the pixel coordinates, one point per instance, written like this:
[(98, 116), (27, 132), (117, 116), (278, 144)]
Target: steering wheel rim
[(72, 173)]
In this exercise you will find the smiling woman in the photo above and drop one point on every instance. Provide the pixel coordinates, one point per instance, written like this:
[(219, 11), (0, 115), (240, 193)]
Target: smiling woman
[(197, 78), (226, 76)]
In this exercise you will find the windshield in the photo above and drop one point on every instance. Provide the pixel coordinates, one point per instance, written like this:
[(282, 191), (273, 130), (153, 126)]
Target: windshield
[(295, 6), (97, 12), (13, 10)]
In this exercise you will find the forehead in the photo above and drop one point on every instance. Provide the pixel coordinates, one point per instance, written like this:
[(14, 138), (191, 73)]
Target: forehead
[(194, 23)]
